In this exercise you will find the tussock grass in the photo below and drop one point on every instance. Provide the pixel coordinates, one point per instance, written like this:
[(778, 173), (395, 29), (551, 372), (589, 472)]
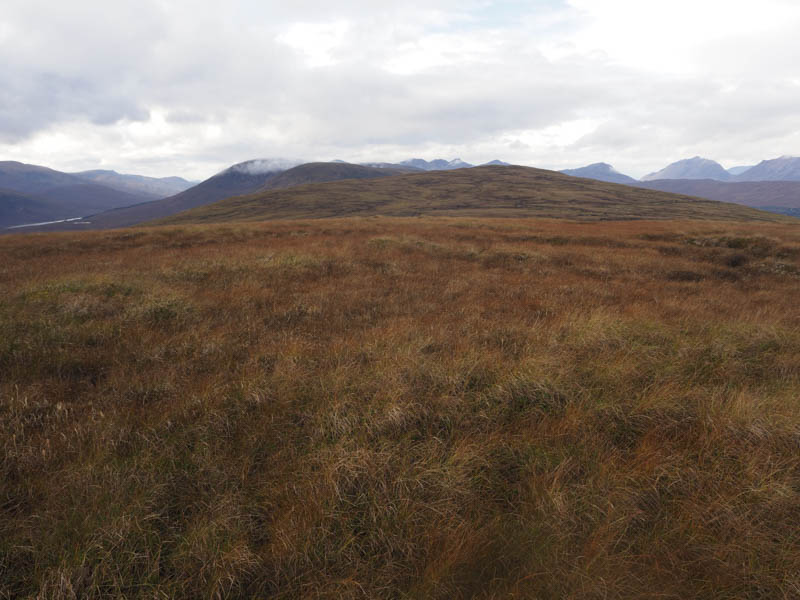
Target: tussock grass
[(401, 409)]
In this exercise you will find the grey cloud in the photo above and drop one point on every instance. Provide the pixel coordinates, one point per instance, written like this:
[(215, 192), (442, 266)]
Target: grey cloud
[(204, 64)]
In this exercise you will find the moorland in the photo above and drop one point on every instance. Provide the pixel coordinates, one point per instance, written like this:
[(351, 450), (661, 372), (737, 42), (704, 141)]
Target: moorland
[(402, 408)]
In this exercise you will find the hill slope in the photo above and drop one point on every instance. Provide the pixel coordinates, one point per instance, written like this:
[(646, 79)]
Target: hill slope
[(321, 172), (17, 209), (480, 191), (66, 195), (785, 168), (32, 179), (242, 178), (239, 179), (758, 194)]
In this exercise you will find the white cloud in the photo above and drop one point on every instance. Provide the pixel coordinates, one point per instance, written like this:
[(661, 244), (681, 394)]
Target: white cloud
[(190, 87), (317, 41)]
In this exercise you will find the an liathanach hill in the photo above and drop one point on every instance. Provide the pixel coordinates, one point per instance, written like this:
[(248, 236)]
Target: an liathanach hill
[(478, 192)]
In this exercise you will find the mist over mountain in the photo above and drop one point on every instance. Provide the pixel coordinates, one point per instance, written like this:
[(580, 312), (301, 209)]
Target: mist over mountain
[(262, 166), (601, 172), (691, 168), (242, 178)]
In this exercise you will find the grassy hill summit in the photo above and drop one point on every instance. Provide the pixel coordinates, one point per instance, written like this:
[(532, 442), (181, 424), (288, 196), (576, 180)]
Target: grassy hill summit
[(488, 191)]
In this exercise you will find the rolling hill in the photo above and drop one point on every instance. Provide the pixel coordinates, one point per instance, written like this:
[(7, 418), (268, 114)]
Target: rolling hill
[(477, 192)]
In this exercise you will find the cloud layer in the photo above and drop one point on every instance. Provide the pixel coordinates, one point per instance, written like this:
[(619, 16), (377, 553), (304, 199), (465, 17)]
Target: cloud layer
[(189, 88)]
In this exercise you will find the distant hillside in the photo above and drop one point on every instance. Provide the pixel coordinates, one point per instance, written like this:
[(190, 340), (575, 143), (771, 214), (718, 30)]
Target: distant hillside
[(32, 179), (758, 194), (786, 168), (601, 172), (436, 165), (739, 170), (17, 209), (55, 195), (137, 184), (243, 178), (482, 191), (691, 168), (322, 172), (395, 166)]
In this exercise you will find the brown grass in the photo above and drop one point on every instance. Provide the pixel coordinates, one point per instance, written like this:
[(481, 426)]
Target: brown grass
[(401, 409), (487, 192)]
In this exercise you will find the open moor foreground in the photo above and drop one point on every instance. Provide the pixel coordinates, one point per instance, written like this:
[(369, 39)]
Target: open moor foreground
[(402, 408)]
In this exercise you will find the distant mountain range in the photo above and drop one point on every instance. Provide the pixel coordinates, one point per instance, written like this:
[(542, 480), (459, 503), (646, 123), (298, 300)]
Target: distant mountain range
[(439, 164), (785, 168), (138, 184), (107, 199), (706, 178), (33, 193)]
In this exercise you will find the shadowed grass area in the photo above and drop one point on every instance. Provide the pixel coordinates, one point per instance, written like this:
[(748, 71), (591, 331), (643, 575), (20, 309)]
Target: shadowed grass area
[(402, 408), (479, 192)]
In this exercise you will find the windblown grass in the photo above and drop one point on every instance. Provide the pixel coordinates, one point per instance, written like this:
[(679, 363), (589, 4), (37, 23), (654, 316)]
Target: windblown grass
[(402, 409)]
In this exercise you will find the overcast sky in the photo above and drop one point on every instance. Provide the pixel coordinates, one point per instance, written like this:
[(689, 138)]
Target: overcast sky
[(188, 87)]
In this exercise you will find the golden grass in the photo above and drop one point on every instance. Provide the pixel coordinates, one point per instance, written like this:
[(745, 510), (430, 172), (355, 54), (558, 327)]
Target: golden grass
[(387, 408)]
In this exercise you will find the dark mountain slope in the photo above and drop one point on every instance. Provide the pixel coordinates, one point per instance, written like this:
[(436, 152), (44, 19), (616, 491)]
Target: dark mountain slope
[(17, 209), (239, 179), (32, 179), (58, 195), (243, 178), (481, 191)]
